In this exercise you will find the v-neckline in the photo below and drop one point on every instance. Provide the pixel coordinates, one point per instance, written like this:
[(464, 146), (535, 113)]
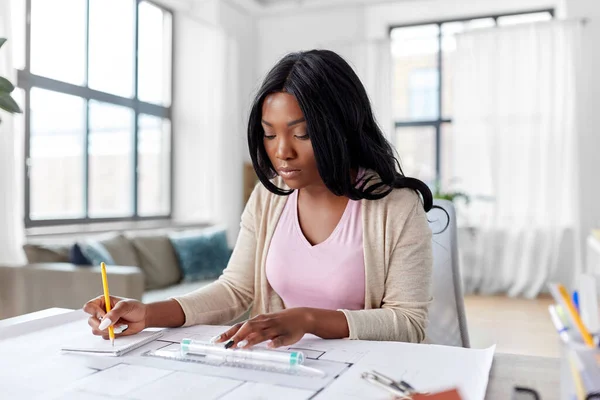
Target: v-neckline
[(299, 228)]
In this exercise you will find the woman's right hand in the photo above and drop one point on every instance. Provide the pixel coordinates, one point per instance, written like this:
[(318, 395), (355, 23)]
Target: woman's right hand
[(132, 313)]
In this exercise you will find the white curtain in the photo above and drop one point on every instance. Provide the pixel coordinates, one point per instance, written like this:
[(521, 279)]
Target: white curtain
[(11, 216), (372, 62), (515, 144)]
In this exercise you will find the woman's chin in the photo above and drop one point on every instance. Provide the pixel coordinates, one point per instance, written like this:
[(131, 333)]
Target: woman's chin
[(293, 183)]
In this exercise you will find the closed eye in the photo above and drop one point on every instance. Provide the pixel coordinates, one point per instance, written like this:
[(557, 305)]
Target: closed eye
[(269, 137), (302, 137)]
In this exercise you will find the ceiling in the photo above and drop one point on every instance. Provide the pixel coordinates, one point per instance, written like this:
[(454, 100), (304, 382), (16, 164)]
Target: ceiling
[(275, 6)]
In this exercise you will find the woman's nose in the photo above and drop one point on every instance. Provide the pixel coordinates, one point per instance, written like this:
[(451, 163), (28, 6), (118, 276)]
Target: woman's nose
[(285, 150)]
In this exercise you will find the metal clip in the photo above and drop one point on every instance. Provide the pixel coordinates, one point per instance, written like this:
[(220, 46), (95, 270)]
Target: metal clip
[(401, 389)]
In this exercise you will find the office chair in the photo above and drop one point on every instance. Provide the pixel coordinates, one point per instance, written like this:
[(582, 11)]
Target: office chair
[(447, 320)]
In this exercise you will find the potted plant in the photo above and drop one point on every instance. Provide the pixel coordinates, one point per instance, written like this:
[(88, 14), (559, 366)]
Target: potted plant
[(449, 195), (7, 103)]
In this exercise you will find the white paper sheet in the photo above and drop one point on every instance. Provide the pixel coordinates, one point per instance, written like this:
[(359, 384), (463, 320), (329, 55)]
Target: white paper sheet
[(199, 332), (185, 385), (261, 391), (77, 395), (425, 367), (120, 380), (87, 342), (35, 357)]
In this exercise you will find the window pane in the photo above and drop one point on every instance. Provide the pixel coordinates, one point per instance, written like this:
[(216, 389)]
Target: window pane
[(154, 55), (524, 18), (449, 179), (416, 81), (56, 155), (110, 160), (58, 39), (17, 35), (154, 165), (449, 30), (112, 46), (416, 148)]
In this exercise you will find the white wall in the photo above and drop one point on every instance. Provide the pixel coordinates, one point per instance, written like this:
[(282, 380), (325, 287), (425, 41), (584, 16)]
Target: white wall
[(302, 30), (280, 34), (214, 70)]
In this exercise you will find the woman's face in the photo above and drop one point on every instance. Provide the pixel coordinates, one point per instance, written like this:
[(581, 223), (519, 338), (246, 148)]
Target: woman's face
[(287, 143)]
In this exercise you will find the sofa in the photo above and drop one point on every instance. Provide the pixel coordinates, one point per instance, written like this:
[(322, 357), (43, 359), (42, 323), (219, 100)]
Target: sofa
[(146, 265)]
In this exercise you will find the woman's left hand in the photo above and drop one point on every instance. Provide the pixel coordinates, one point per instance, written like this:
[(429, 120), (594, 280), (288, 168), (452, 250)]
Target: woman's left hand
[(282, 328)]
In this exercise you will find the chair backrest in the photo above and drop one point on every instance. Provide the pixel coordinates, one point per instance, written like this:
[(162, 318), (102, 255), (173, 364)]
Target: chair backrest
[(447, 320)]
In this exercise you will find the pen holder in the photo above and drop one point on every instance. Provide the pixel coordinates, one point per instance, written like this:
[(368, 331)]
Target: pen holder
[(579, 371)]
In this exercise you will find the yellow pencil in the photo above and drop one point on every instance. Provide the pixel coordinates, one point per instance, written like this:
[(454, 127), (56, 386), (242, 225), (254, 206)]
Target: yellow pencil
[(577, 380), (585, 334), (111, 331)]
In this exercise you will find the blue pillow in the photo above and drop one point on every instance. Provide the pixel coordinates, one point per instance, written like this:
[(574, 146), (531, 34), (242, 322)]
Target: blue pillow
[(202, 256), (76, 256), (96, 252)]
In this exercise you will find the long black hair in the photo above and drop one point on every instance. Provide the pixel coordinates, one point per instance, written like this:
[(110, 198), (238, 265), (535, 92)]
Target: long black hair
[(340, 125)]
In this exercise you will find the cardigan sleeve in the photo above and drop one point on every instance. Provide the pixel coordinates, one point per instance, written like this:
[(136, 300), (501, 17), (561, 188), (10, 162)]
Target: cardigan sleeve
[(232, 294), (407, 290)]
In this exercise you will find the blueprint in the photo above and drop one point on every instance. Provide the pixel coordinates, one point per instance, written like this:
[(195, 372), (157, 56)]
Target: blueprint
[(146, 373)]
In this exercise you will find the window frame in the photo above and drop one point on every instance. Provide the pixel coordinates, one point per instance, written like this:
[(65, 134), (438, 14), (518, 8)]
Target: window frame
[(26, 80), (440, 120)]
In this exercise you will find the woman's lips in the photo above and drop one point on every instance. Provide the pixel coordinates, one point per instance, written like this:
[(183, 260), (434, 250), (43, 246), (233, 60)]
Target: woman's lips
[(288, 173)]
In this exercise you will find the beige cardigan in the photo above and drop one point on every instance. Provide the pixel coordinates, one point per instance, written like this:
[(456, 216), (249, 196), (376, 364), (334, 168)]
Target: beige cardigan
[(398, 263)]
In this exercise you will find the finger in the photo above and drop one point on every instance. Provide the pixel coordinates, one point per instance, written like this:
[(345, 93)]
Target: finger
[(252, 326), (114, 300), (225, 336), (282, 340), (121, 309), (93, 322), (258, 337), (94, 309)]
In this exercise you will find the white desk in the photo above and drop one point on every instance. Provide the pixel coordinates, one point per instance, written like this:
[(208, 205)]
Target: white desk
[(508, 370)]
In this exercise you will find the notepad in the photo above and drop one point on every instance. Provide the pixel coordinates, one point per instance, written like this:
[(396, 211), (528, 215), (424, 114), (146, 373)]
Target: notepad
[(91, 344)]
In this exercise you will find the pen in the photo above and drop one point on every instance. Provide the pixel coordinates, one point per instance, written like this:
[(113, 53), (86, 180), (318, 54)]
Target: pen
[(111, 331)]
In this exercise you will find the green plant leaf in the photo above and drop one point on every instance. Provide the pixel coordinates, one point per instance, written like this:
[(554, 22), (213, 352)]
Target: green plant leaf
[(8, 104), (6, 86), (2, 41)]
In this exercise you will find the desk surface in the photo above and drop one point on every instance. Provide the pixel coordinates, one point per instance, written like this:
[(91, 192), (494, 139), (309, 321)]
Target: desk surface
[(539, 373), (508, 370)]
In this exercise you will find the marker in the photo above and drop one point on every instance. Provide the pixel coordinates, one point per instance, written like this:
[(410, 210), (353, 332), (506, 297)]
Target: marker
[(293, 358), (560, 328)]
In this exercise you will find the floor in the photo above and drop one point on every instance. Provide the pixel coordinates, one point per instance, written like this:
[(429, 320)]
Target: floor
[(515, 325)]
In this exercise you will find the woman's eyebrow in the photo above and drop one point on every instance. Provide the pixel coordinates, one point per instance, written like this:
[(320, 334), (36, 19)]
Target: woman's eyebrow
[(288, 124)]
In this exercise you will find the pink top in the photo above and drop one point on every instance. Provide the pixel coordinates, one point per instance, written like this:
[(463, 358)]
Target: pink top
[(328, 275)]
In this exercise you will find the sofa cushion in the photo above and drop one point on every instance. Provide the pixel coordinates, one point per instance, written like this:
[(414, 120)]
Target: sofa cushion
[(39, 253), (77, 257), (202, 255), (95, 252), (112, 250), (121, 250), (157, 259)]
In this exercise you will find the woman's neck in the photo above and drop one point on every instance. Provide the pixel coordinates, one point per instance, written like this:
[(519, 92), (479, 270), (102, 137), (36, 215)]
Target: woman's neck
[(320, 194)]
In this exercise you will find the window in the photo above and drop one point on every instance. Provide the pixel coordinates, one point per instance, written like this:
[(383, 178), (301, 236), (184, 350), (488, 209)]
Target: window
[(422, 91), (96, 81)]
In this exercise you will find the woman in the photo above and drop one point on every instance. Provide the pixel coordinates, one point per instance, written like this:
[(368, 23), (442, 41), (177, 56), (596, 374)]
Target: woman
[(334, 241)]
